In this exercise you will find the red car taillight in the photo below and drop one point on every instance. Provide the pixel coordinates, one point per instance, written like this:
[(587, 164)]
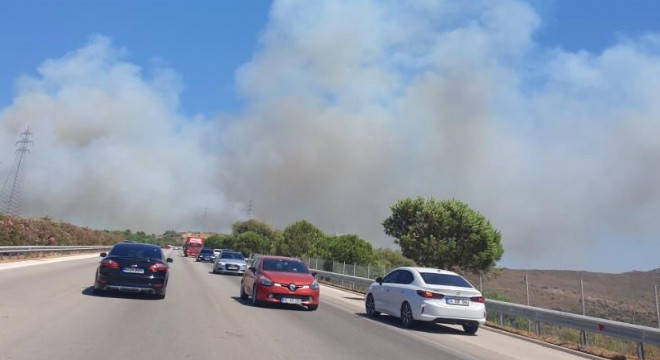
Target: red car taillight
[(478, 299), (158, 266), (109, 264), (429, 294)]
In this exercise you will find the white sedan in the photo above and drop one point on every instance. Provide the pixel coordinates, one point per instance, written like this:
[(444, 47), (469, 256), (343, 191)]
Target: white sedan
[(427, 294)]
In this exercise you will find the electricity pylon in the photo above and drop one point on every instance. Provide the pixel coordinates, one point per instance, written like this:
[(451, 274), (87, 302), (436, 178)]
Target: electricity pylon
[(11, 196)]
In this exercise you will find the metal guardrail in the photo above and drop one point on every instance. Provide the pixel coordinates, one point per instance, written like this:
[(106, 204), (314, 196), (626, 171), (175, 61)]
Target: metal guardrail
[(5, 250), (637, 333)]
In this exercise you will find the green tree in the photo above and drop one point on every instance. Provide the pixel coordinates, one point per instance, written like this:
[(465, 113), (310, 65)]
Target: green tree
[(256, 226), (446, 234), (390, 258), (350, 249), (251, 242), (300, 238), (172, 237)]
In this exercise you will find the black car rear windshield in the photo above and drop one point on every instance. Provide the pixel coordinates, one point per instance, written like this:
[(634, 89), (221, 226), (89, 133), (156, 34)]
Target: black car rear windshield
[(206, 251), (231, 255), (284, 265), (136, 251), (445, 279)]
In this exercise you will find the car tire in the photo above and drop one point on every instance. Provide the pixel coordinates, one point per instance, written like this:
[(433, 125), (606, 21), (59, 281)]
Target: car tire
[(370, 307), (244, 296), (255, 302), (313, 307), (471, 328), (407, 319), (97, 292)]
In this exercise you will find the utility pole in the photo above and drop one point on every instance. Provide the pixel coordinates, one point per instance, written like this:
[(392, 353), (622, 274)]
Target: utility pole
[(249, 209), (11, 196)]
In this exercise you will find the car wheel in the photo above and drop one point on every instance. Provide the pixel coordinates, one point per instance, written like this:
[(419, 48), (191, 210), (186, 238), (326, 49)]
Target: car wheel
[(471, 328), (370, 307), (97, 292), (407, 320), (244, 296), (255, 302), (313, 307)]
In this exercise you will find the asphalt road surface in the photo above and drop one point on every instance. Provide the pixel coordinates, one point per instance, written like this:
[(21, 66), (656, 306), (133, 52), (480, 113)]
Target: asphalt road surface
[(48, 312)]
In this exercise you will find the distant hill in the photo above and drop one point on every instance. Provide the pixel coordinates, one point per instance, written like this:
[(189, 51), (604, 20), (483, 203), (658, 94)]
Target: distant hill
[(627, 297)]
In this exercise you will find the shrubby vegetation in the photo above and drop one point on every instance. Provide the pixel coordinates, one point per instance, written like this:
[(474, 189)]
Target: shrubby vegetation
[(445, 234), (15, 231)]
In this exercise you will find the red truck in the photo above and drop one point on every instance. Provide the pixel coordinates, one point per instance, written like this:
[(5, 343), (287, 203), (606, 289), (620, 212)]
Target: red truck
[(192, 246)]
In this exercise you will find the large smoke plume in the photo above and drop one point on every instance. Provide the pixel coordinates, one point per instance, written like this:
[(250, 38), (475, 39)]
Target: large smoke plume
[(353, 105)]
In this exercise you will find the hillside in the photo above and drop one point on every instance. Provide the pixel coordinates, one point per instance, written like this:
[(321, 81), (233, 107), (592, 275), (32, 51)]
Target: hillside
[(625, 297), (15, 231)]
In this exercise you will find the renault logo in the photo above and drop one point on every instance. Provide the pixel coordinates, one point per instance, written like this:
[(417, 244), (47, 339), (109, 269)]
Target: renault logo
[(292, 287)]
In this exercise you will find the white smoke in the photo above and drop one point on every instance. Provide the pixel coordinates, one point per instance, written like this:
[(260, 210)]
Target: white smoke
[(353, 105), (110, 149)]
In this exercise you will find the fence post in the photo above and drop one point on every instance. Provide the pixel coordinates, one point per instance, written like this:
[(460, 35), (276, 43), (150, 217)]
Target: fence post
[(354, 266), (369, 273), (343, 269), (481, 285), (529, 321), (640, 351), (317, 263), (583, 334), (657, 308)]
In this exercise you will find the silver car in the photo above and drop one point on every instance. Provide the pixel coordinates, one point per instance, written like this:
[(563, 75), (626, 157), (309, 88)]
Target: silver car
[(229, 262)]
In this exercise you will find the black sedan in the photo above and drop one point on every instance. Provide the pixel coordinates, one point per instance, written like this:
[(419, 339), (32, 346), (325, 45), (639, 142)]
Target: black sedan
[(205, 254), (133, 267)]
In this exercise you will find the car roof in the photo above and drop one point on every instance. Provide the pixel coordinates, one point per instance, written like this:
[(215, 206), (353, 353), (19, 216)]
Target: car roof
[(135, 244), (427, 269), (274, 257)]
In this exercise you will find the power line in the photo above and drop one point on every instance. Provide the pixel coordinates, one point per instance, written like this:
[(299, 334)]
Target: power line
[(11, 196)]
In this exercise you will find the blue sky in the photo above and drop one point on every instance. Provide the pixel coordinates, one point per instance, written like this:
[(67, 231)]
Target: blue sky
[(542, 115), (206, 41)]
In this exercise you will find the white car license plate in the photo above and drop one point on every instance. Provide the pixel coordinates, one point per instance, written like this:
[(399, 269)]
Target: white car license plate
[(457, 301), (291, 301), (134, 270)]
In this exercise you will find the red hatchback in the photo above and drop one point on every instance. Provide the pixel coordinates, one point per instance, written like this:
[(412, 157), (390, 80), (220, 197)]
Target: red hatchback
[(280, 280)]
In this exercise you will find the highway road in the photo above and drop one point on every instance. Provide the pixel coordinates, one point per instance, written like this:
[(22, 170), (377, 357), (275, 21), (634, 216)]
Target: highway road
[(48, 312)]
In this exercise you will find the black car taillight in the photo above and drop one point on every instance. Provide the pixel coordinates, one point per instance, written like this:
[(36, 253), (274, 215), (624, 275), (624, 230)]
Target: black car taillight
[(158, 267), (429, 294), (109, 264)]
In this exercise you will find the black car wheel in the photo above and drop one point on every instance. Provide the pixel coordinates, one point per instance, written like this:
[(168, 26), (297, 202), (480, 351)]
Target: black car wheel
[(244, 296), (312, 307), (471, 328), (370, 307), (407, 320)]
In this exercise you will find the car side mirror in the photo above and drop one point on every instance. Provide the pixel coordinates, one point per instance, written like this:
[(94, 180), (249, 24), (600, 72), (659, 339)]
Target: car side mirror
[(379, 280), (103, 254), (314, 273), (253, 269), (169, 260)]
